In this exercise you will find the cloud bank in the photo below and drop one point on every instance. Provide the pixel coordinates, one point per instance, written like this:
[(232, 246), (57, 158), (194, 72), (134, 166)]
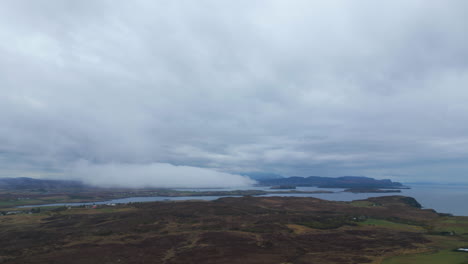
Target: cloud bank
[(290, 87), (160, 175)]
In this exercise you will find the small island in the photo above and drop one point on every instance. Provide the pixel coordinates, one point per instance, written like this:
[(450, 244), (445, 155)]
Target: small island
[(283, 187), (370, 190)]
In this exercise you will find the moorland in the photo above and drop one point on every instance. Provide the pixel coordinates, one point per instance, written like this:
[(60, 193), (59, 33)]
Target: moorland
[(387, 230)]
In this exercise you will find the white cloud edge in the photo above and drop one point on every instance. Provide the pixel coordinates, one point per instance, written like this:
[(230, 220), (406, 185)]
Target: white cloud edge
[(156, 175)]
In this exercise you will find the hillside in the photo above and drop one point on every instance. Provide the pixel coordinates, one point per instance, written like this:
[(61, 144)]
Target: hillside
[(243, 230)]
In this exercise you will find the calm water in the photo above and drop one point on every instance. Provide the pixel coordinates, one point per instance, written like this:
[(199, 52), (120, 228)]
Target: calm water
[(451, 199), (443, 198)]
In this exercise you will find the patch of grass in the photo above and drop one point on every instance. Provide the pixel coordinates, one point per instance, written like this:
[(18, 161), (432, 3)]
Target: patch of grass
[(443, 252), (443, 256), (298, 229), (54, 198), (390, 224), (459, 225), (362, 203), (19, 202), (78, 210), (329, 222)]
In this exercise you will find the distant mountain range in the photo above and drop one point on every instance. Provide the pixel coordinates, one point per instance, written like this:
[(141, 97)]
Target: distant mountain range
[(329, 182), (24, 183)]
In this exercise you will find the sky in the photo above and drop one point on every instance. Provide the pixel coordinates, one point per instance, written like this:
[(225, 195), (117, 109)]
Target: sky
[(198, 93)]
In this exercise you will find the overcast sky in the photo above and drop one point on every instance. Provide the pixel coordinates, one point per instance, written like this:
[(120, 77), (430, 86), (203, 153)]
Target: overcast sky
[(196, 92)]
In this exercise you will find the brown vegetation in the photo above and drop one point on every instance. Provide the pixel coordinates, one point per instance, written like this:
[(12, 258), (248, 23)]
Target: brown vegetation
[(229, 230)]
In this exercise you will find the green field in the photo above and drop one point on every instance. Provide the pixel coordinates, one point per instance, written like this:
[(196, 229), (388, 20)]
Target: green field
[(443, 252), (19, 202), (440, 257), (392, 225), (362, 203), (458, 225)]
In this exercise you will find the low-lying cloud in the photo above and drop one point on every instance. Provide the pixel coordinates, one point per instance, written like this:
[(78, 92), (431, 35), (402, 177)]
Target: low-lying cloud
[(157, 175)]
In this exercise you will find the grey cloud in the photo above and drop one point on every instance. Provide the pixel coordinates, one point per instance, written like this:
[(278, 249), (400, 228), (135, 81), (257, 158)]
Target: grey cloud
[(296, 87)]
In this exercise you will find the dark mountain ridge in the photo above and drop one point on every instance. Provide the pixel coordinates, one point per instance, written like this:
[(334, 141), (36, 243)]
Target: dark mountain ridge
[(317, 181), (329, 182), (23, 183)]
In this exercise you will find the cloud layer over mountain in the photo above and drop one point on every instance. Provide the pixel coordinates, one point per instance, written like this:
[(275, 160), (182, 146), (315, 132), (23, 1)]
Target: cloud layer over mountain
[(160, 175)]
